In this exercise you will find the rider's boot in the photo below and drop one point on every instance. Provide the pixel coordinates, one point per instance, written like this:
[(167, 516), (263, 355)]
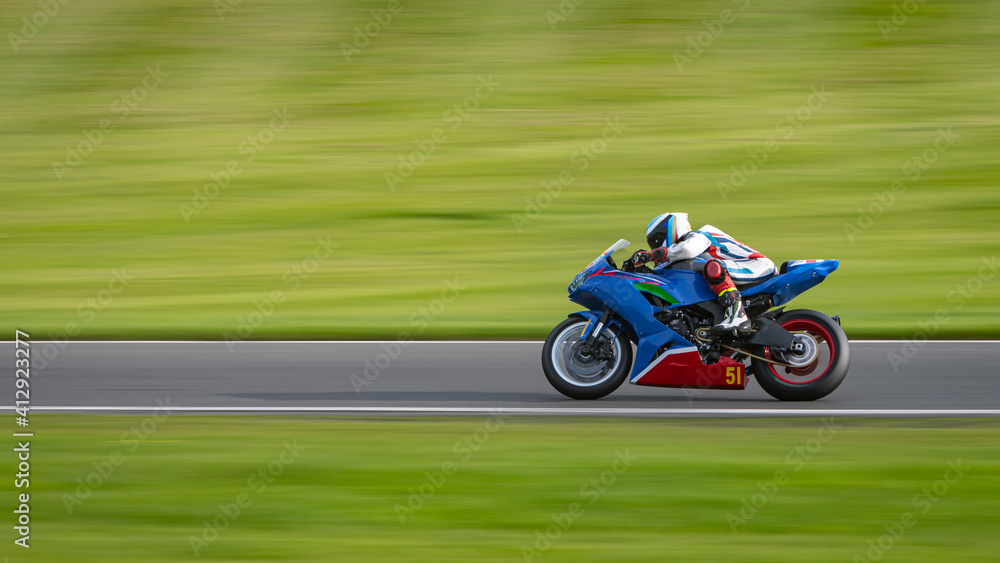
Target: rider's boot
[(734, 318)]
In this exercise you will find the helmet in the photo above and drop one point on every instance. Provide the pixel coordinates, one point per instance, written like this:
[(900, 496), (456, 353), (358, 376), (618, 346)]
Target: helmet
[(667, 229)]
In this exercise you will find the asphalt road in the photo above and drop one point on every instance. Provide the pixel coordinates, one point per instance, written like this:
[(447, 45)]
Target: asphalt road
[(940, 378)]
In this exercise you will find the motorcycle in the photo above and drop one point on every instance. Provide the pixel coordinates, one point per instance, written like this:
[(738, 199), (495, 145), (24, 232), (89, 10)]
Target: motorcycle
[(667, 312)]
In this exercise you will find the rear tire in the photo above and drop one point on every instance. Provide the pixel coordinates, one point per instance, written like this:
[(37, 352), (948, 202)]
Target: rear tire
[(579, 376), (820, 377)]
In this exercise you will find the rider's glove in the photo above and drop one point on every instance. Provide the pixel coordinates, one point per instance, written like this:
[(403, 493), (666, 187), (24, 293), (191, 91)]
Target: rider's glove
[(641, 257), (659, 255)]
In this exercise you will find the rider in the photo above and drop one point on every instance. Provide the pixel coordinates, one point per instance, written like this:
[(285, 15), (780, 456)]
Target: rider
[(723, 261)]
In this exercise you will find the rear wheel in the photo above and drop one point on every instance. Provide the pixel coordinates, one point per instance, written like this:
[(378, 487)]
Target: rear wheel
[(819, 359), (579, 374)]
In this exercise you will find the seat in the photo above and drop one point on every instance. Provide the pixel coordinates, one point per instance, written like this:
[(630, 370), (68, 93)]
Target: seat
[(753, 283)]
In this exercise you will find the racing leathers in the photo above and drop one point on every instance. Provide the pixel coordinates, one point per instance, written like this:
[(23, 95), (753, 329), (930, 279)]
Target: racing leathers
[(725, 263)]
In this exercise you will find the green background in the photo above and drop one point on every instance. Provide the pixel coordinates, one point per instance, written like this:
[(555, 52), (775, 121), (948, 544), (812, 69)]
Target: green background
[(324, 175)]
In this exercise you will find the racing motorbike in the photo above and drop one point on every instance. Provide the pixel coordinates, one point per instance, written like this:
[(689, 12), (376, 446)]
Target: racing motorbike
[(667, 312)]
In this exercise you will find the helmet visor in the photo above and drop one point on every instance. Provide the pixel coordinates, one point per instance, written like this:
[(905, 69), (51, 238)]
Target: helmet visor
[(656, 239)]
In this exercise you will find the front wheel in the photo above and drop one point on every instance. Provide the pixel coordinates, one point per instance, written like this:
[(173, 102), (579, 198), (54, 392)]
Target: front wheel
[(819, 359), (580, 375)]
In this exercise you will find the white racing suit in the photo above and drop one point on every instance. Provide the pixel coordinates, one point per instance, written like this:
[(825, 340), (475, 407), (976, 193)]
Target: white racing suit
[(744, 264)]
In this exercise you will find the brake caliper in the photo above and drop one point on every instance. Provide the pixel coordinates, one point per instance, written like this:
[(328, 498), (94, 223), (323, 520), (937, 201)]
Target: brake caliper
[(602, 350)]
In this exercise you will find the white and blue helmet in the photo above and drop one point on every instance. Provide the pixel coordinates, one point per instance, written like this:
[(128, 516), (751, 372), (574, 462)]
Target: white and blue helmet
[(667, 229)]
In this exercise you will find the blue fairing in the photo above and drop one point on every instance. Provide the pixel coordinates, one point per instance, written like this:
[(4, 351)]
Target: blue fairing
[(601, 286), (794, 282)]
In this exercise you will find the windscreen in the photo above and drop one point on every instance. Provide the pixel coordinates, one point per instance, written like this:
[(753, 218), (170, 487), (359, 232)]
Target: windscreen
[(622, 243)]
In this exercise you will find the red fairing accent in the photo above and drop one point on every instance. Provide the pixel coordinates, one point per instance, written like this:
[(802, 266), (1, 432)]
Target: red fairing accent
[(686, 370), (756, 255)]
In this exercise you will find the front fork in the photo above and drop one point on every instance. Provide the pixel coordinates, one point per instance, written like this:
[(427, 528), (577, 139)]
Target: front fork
[(593, 330)]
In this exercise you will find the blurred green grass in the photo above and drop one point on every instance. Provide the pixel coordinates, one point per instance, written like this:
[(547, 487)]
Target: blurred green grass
[(336, 500), (324, 175)]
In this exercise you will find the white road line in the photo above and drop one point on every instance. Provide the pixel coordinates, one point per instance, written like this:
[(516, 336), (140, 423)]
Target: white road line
[(921, 342), (539, 342), (543, 411), (223, 342)]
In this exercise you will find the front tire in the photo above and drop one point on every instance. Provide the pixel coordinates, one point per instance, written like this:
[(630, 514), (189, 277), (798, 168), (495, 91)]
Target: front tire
[(825, 357), (582, 376)]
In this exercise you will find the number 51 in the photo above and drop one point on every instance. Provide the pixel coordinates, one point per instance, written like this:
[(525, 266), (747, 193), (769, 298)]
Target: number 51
[(732, 376)]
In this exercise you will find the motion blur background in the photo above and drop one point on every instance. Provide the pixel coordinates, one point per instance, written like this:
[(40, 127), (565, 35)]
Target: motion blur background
[(189, 87), (356, 169)]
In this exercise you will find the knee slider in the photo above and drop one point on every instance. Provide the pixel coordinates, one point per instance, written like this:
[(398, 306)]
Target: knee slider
[(714, 272)]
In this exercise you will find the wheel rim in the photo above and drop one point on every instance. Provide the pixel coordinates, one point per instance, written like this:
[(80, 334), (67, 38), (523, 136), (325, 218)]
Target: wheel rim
[(578, 369), (826, 350)]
